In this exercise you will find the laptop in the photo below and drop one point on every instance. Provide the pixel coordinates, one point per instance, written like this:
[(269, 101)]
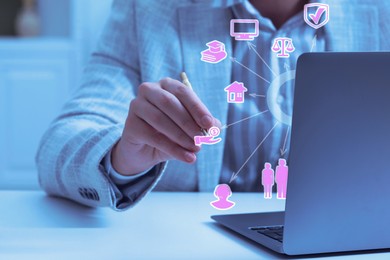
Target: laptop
[(338, 196)]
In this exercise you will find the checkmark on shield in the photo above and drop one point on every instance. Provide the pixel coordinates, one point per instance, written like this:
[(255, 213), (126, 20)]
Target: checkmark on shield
[(316, 15)]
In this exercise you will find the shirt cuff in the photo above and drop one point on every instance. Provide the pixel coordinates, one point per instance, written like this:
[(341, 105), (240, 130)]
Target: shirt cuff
[(118, 178)]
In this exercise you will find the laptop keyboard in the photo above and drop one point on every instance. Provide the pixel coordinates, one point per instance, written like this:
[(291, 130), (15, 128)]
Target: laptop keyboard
[(275, 232)]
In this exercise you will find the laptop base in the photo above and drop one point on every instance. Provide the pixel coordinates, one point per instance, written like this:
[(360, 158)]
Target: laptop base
[(242, 223)]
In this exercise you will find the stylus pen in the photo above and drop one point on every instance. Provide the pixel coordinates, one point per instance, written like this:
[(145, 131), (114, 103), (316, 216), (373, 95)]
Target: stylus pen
[(186, 82)]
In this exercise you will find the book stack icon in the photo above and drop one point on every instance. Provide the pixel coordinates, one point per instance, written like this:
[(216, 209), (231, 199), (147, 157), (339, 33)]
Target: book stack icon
[(215, 52)]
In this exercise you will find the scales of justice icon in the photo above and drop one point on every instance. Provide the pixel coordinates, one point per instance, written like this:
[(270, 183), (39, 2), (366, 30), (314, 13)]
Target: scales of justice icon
[(283, 46)]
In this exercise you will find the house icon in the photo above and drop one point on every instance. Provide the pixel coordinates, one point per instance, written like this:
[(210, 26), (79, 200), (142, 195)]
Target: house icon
[(235, 92)]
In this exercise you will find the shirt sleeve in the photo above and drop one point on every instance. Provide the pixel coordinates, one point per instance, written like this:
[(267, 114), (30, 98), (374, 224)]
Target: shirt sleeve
[(72, 151), (115, 176)]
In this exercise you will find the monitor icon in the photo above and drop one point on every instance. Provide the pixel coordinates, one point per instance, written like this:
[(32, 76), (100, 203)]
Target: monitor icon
[(244, 29)]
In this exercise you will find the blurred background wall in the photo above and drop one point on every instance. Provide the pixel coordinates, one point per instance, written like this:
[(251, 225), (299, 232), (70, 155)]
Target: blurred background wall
[(44, 45)]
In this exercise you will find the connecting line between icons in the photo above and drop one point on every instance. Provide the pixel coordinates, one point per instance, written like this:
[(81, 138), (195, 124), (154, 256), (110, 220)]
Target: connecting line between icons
[(286, 66), (314, 43), (249, 117), (252, 47), (284, 150), (236, 61), (234, 175), (256, 95)]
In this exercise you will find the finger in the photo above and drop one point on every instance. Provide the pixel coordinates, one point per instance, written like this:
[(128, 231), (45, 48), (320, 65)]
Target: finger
[(153, 138), (190, 101), (171, 107), (163, 124), (217, 123)]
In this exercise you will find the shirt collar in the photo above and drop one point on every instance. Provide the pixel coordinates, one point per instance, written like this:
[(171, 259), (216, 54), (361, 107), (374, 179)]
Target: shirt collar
[(243, 9)]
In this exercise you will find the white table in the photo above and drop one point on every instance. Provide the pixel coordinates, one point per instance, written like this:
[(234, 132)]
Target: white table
[(162, 226)]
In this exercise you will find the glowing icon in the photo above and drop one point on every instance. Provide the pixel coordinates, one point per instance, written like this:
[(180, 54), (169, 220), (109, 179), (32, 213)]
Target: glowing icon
[(210, 138), (281, 176), (316, 15), (215, 53), (222, 192), (267, 180), (244, 29), (283, 46), (235, 92)]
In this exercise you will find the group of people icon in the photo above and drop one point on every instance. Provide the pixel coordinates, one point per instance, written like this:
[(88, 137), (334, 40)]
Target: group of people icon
[(269, 178)]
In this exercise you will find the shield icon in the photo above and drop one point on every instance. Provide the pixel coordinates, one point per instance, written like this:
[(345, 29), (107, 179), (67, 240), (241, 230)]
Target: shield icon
[(316, 15)]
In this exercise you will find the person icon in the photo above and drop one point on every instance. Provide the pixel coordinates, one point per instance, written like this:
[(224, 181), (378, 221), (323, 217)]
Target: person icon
[(222, 192), (267, 180), (281, 176)]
